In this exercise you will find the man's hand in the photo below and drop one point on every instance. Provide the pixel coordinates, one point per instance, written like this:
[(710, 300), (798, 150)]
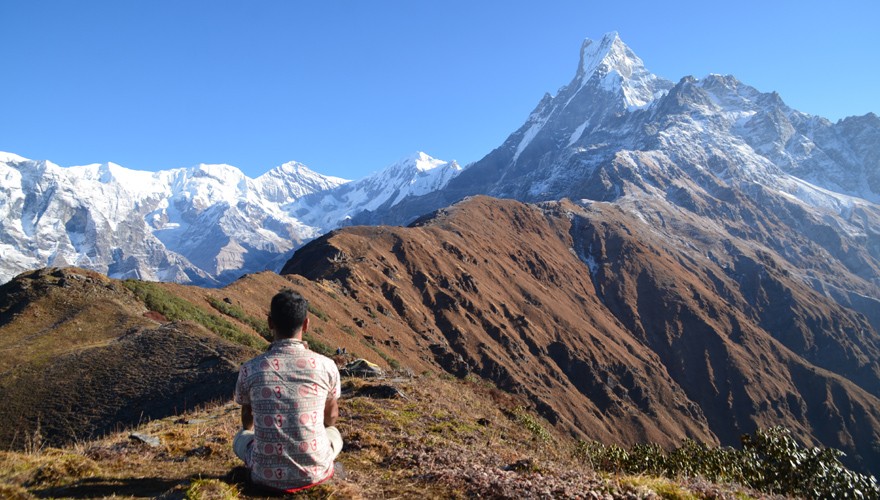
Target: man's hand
[(331, 412), (247, 418)]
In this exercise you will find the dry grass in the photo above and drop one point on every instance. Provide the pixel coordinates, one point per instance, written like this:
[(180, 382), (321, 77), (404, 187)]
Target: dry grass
[(211, 489), (438, 438)]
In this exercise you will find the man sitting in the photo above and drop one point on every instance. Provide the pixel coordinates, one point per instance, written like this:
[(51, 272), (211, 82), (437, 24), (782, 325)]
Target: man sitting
[(289, 405)]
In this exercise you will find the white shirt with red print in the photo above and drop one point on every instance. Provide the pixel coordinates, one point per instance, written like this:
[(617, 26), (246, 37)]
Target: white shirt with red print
[(287, 388)]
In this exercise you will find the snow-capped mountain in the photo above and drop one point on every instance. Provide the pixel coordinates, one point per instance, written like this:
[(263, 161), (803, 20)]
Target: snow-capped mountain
[(760, 209), (711, 163), (207, 224), (414, 175), (202, 224), (718, 149)]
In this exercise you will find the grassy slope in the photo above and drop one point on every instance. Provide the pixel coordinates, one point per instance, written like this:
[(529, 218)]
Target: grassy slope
[(443, 438)]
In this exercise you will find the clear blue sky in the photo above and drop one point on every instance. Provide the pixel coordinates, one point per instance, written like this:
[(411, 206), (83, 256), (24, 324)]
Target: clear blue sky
[(348, 87)]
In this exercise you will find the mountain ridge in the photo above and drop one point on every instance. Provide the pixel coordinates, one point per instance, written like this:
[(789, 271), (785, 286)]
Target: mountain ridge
[(615, 331), (716, 129), (206, 224)]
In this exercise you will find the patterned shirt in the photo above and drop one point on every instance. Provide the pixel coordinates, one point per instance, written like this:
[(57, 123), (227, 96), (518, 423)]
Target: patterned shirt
[(287, 388)]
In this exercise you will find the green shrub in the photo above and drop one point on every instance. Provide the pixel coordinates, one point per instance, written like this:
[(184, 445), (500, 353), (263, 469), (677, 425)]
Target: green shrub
[(318, 346), (260, 326), (176, 309), (527, 420), (777, 463), (770, 461), (319, 313)]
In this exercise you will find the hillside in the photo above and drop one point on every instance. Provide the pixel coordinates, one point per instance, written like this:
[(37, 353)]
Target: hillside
[(84, 354), (437, 437), (614, 330), (434, 428)]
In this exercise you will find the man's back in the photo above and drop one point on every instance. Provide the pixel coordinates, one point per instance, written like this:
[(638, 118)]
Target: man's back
[(287, 389)]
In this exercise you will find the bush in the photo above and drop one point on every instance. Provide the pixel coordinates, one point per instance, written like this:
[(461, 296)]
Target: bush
[(777, 463), (527, 420), (770, 461), (318, 346)]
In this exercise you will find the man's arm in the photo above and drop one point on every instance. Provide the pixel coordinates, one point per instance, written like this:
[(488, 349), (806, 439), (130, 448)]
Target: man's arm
[(331, 412), (247, 418)]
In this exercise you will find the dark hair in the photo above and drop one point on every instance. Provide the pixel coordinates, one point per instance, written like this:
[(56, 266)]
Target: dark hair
[(288, 312)]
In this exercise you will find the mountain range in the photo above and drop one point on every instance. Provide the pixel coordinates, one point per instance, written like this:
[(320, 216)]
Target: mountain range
[(204, 225), (641, 260)]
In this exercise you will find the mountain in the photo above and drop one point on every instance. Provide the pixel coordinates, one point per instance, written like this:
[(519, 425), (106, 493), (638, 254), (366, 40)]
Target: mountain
[(104, 397), (197, 224), (728, 243), (415, 175), (717, 127), (616, 329), (82, 356), (206, 224), (672, 260), (712, 154)]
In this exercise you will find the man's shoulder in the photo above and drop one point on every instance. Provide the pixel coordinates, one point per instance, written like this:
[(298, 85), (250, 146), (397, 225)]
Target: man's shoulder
[(328, 363), (255, 361)]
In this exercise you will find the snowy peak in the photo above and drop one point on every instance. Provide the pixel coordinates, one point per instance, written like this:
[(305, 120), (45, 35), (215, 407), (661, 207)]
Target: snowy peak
[(422, 162), (415, 164), (414, 175), (201, 224), (611, 82), (612, 65), (297, 170), (608, 52), (293, 180), (6, 157)]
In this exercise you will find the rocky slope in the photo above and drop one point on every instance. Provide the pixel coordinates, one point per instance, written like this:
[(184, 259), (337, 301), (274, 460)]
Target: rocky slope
[(426, 435), (616, 328), (714, 150)]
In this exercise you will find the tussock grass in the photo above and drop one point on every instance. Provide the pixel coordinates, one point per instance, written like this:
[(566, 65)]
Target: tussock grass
[(14, 492), (211, 489), (641, 486), (50, 467)]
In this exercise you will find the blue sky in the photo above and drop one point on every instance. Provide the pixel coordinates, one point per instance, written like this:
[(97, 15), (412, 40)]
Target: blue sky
[(349, 87)]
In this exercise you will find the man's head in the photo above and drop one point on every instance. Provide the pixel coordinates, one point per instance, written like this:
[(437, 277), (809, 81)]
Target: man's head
[(288, 314)]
